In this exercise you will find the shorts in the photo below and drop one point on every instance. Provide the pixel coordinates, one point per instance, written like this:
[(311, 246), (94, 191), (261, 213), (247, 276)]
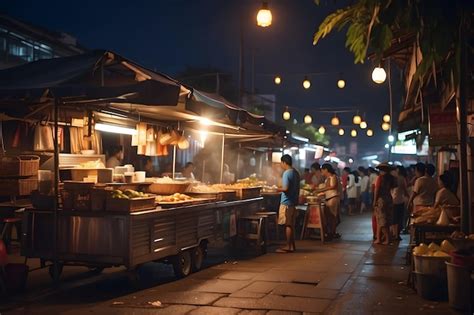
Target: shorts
[(287, 215)]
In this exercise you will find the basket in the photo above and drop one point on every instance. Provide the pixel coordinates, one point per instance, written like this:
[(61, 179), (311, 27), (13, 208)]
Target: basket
[(430, 265), (129, 205), (18, 187), (168, 188), (77, 196), (19, 166)]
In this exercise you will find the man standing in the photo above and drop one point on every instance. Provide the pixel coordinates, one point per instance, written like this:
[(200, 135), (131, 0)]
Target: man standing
[(289, 199)]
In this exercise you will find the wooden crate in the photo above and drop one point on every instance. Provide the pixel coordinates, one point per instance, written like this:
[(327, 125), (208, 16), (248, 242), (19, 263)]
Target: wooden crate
[(230, 195), (77, 196), (129, 205)]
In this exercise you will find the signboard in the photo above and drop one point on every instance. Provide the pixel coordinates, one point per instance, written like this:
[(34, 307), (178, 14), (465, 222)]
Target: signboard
[(314, 216), (443, 130)]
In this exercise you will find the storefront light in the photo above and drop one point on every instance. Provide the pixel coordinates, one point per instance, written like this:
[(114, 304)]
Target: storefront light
[(386, 118), (277, 80), (322, 130), (354, 133), (370, 132), (385, 126), (335, 121), (308, 119), (363, 125), (341, 132), (357, 119), (286, 114), (306, 83), (115, 129)]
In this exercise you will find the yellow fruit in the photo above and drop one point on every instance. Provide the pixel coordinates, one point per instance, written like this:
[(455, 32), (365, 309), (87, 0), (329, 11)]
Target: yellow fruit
[(422, 249), (434, 247), (447, 247), (440, 253)]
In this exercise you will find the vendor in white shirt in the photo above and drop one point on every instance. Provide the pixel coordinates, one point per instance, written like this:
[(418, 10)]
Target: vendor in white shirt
[(444, 196)]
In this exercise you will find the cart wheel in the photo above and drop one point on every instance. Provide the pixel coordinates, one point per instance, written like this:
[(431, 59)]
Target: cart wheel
[(59, 271), (198, 254), (182, 264)]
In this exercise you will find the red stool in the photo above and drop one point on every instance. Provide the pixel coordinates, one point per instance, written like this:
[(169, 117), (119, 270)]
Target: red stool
[(8, 223)]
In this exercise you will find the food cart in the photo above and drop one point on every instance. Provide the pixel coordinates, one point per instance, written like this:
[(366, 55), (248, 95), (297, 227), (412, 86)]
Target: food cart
[(71, 227)]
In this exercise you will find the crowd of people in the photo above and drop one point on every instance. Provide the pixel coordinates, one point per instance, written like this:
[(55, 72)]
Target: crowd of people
[(392, 192)]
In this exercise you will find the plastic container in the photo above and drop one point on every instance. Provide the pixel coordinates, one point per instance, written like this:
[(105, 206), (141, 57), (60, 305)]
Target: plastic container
[(430, 287), (461, 259), (140, 177), (459, 286)]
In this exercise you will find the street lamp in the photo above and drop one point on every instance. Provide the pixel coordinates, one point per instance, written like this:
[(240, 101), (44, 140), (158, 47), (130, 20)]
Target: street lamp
[(306, 83), (277, 80), (379, 75), (264, 15), (308, 119)]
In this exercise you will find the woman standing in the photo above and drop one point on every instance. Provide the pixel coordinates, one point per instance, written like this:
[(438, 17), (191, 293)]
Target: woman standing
[(331, 193), (399, 196), (352, 181), (383, 203)]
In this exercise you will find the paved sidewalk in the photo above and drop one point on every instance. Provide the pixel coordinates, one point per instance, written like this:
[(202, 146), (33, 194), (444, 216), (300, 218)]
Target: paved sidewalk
[(344, 277)]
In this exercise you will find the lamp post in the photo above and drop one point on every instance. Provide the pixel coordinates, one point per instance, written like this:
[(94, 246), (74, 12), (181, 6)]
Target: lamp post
[(264, 19)]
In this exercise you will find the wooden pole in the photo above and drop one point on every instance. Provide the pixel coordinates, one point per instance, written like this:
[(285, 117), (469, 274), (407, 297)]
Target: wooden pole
[(222, 158), (56, 272)]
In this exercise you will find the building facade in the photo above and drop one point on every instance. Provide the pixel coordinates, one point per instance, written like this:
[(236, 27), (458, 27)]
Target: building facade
[(22, 42)]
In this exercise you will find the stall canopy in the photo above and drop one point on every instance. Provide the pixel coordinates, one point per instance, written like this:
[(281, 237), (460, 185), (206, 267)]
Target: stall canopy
[(95, 77)]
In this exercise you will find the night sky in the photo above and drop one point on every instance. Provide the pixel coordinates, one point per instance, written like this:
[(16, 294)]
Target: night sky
[(168, 35)]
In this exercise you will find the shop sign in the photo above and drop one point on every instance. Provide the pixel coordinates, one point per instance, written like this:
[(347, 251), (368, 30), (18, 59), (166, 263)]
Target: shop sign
[(443, 130)]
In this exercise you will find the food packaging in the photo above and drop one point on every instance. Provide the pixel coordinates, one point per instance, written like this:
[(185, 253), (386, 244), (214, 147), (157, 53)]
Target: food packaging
[(140, 176), (105, 175)]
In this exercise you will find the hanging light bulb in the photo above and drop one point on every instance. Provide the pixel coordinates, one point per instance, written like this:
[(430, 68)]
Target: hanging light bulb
[(308, 119), (357, 119), (354, 133), (385, 126), (363, 125), (264, 15), (370, 132), (306, 83), (379, 75), (341, 83), (322, 130), (335, 121), (286, 114), (277, 80), (386, 118), (341, 131)]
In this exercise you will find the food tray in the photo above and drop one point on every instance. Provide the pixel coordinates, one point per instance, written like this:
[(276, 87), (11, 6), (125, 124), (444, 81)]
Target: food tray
[(195, 201), (19, 166), (129, 205), (247, 193), (168, 188), (229, 195)]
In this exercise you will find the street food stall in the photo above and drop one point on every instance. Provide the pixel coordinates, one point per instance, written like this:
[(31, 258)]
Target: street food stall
[(83, 213)]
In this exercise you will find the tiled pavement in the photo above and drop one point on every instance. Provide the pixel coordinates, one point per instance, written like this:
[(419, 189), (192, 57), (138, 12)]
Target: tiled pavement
[(344, 277)]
